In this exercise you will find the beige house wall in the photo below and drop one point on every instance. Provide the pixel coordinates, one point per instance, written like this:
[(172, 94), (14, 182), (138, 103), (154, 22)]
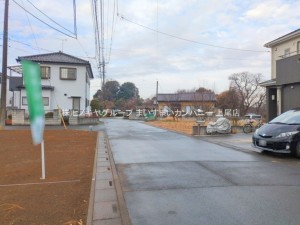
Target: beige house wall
[(279, 50)]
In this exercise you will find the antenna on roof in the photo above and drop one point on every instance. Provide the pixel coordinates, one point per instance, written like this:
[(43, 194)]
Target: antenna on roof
[(62, 43)]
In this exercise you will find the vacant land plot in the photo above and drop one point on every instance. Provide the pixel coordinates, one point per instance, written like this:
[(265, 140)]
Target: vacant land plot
[(63, 197), (183, 126)]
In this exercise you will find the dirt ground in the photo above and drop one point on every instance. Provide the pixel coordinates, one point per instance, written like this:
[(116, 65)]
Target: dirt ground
[(60, 199)]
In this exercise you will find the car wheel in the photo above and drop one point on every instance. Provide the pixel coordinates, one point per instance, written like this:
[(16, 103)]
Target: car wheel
[(297, 150)]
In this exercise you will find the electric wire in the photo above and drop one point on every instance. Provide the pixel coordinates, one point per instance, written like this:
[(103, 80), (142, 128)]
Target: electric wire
[(10, 39), (75, 18), (102, 40), (32, 29), (48, 17), (93, 58), (184, 39), (47, 24), (112, 32), (96, 35), (107, 22)]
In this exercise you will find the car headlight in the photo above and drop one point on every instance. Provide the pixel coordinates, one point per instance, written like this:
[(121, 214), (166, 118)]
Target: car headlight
[(256, 131), (287, 134)]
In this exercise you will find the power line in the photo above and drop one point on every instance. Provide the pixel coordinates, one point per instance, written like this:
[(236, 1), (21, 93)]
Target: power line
[(31, 29), (48, 16), (44, 21), (112, 32), (104, 26), (75, 18), (184, 39), (92, 58), (96, 35), (29, 45)]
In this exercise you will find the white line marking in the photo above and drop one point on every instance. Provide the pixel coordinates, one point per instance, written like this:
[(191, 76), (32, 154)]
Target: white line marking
[(40, 183)]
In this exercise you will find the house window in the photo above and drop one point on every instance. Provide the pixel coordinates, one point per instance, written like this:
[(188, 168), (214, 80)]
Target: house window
[(24, 101), (298, 47), (45, 72), (67, 73), (286, 52), (45, 101)]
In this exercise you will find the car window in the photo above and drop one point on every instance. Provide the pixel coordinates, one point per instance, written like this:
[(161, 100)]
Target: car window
[(252, 116), (289, 117)]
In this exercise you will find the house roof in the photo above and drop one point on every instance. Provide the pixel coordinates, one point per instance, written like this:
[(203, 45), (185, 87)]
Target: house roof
[(186, 97), (283, 38), (57, 58), (268, 83)]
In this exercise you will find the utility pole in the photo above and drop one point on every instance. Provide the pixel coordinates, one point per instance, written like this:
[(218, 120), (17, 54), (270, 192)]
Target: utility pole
[(4, 68), (103, 75), (156, 94)]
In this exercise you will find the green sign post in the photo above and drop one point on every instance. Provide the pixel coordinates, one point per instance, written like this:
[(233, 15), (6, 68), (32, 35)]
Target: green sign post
[(32, 81)]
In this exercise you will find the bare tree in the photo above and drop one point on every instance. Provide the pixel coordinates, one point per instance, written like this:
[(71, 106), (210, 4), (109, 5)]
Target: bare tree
[(247, 86), (228, 100), (205, 99)]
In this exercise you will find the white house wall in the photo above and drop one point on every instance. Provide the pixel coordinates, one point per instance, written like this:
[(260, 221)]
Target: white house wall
[(8, 94), (64, 90), (13, 99)]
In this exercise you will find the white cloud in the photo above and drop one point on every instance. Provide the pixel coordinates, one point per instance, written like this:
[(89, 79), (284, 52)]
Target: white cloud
[(142, 56), (268, 10)]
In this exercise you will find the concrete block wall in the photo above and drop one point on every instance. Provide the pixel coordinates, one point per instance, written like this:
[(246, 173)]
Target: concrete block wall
[(55, 120), (73, 120), (18, 116), (88, 121)]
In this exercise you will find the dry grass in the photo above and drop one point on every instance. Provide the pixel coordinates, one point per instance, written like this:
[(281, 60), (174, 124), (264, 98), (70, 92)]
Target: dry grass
[(183, 126), (186, 125)]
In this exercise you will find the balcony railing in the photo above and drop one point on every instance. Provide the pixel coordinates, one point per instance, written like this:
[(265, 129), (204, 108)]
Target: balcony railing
[(289, 54)]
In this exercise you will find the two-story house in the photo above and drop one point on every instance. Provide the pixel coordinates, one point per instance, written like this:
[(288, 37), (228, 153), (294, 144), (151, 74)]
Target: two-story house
[(65, 82), (283, 90)]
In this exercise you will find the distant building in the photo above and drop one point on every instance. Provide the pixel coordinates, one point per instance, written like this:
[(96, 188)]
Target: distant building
[(187, 101), (283, 90), (65, 82)]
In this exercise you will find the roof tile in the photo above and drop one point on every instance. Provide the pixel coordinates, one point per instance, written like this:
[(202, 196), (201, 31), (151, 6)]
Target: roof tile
[(181, 97)]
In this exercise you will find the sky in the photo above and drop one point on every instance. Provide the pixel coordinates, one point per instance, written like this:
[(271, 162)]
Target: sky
[(182, 45)]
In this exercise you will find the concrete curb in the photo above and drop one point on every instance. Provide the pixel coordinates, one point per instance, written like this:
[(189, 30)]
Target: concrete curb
[(92, 191), (121, 200), (107, 204)]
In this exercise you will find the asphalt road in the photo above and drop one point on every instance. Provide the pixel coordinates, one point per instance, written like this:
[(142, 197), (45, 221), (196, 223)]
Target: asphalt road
[(172, 179)]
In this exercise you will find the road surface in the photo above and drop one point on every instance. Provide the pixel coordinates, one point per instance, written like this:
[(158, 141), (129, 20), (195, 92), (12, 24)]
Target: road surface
[(172, 179)]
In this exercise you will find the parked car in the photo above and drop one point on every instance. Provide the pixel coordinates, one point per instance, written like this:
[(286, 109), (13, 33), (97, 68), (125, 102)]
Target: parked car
[(253, 116), (282, 134)]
